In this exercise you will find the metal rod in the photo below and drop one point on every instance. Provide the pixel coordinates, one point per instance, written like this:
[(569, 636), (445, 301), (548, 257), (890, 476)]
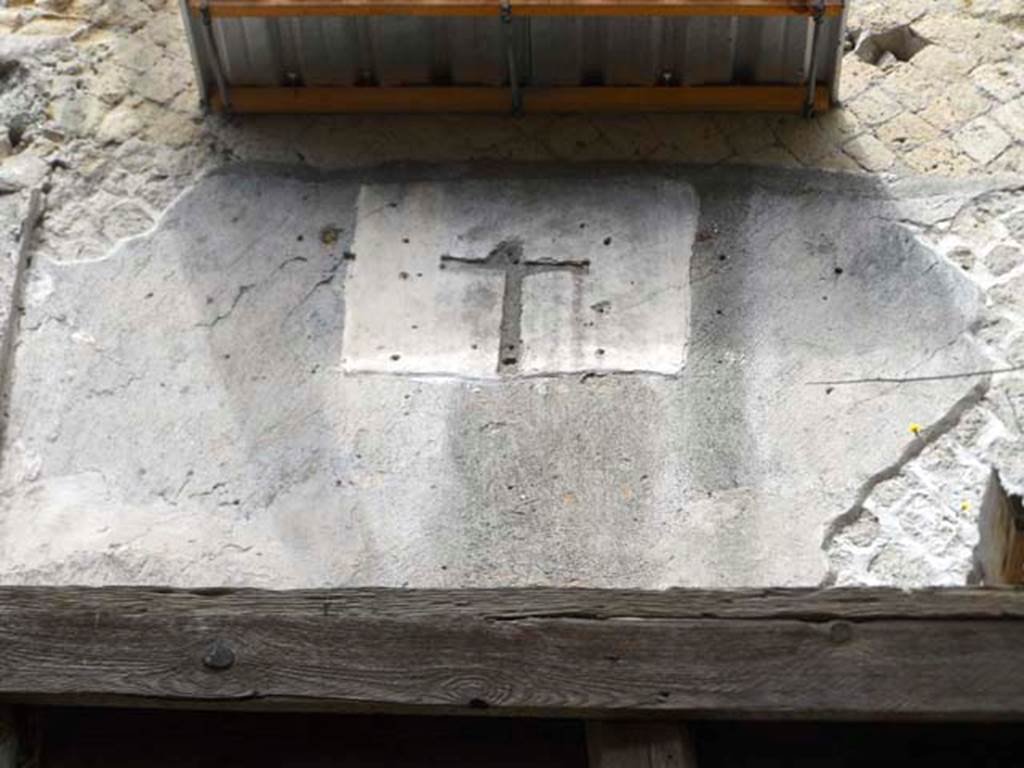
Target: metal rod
[(455, 98), (211, 50), (818, 15), (510, 53)]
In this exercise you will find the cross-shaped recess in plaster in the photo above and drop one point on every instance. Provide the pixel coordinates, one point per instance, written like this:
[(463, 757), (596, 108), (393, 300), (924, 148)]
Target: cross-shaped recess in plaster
[(530, 277)]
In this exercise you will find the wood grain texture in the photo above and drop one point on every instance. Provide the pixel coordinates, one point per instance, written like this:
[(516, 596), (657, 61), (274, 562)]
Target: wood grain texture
[(459, 99), (268, 8), (855, 654), (639, 744), (1000, 550)]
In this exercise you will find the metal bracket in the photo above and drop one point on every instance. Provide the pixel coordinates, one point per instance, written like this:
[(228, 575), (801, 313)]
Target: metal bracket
[(211, 51), (510, 53), (818, 17)]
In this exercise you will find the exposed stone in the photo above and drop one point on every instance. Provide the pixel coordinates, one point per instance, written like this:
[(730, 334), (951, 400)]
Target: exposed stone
[(983, 139), (857, 77), (1002, 81), (1010, 162), (77, 113), (1004, 258), (1010, 293), (974, 40), (906, 131), (120, 124), (957, 103), (942, 64), (869, 152), (963, 257), (910, 87), (1014, 223), (160, 82), (22, 171), (875, 106), (1010, 117), (940, 156)]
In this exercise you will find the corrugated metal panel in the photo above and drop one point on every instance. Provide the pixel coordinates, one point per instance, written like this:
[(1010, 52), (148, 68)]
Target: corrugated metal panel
[(550, 51)]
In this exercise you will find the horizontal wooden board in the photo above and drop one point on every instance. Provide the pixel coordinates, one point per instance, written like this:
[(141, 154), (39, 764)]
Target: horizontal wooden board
[(268, 8), (856, 654), (455, 99)]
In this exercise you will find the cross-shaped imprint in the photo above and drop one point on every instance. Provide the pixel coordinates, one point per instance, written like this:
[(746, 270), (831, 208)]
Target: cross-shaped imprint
[(528, 276)]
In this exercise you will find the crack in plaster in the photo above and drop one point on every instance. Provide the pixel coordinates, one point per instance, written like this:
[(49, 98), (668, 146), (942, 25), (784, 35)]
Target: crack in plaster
[(949, 421)]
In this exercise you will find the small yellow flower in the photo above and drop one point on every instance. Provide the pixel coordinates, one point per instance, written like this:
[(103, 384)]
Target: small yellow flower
[(965, 506), (915, 428)]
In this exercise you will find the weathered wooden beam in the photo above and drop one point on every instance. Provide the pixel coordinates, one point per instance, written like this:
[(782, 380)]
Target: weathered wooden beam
[(639, 744), (1000, 551), (851, 654)]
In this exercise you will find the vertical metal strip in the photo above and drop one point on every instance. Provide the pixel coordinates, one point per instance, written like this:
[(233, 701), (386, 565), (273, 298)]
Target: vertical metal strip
[(818, 15), (190, 36), (510, 53), (211, 51)]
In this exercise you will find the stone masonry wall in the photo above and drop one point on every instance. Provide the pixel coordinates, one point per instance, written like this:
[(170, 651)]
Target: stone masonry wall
[(99, 111)]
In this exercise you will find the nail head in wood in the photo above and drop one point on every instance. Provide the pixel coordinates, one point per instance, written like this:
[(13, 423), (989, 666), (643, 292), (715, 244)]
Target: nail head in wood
[(841, 632), (218, 656)]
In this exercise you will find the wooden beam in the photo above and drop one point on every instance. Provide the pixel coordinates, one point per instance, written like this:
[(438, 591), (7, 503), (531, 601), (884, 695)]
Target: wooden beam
[(848, 654), (1000, 551), (457, 99), (639, 744), (268, 8)]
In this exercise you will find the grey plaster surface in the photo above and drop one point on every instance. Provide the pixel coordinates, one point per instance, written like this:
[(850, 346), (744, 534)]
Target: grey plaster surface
[(529, 276), (180, 412)]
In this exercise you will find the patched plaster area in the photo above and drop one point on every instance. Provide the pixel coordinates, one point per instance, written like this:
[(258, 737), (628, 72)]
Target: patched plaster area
[(181, 412), (533, 278)]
